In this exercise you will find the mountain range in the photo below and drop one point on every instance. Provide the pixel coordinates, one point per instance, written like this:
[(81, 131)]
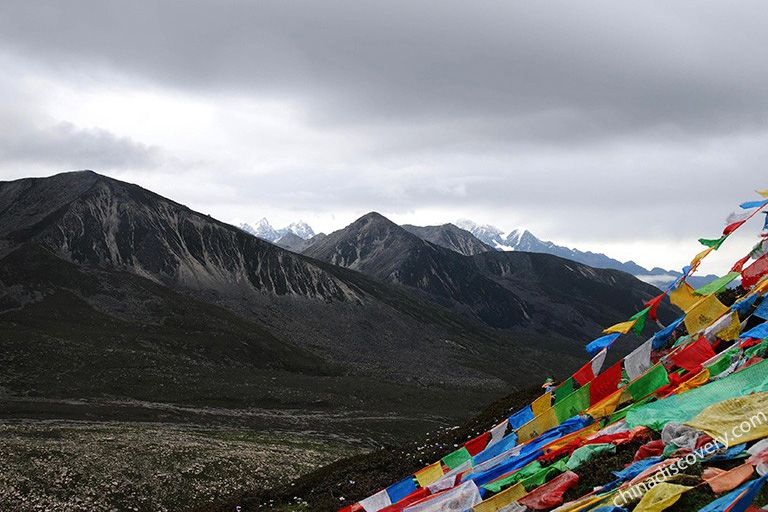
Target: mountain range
[(110, 290), (469, 238)]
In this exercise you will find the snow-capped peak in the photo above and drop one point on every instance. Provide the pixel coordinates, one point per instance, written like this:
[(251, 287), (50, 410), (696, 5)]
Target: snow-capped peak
[(300, 229)]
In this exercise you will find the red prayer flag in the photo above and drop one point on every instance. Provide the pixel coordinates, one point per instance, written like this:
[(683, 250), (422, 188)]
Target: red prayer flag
[(605, 383), (753, 273), (550, 495), (584, 374), (417, 495), (654, 305), (478, 444), (739, 265), (730, 228), (692, 356)]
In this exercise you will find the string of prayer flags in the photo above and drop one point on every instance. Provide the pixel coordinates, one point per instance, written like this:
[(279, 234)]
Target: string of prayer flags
[(590, 370), (752, 274), (605, 384), (601, 343), (717, 285), (703, 314), (694, 355)]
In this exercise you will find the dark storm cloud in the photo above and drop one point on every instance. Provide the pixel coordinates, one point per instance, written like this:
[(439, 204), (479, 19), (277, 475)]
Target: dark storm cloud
[(526, 71)]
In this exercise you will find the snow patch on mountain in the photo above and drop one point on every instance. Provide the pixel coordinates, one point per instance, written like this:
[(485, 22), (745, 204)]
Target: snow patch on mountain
[(264, 230)]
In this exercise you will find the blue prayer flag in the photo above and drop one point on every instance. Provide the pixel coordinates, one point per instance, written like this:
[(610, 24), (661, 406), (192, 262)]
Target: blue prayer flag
[(753, 204), (662, 337), (521, 417), (759, 332), (742, 307), (595, 346), (401, 489), (762, 309)]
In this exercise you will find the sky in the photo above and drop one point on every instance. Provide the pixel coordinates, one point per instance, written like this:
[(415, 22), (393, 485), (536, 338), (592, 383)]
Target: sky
[(631, 128)]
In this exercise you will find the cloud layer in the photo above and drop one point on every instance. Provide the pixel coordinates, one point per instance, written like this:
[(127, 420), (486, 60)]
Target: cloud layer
[(618, 126)]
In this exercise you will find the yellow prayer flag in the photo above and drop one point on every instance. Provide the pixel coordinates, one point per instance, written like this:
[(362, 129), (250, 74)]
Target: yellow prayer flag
[(704, 314), (623, 327), (606, 406), (703, 254), (538, 425), (683, 297), (579, 434), (541, 404), (697, 380), (660, 497), (763, 192), (429, 474), (731, 332), (737, 416), (501, 500), (580, 504)]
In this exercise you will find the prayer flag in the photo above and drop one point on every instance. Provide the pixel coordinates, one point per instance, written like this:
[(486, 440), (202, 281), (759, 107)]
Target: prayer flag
[(713, 243), (639, 360), (457, 458), (684, 297), (541, 404), (605, 384), (621, 328), (429, 474), (654, 379), (401, 489), (704, 314), (476, 445), (574, 404), (603, 342), (717, 285), (590, 370), (694, 355), (662, 337), (752, 274), (521, 417)]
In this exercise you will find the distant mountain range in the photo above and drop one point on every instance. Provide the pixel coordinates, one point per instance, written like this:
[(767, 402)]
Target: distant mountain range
[(108, 289), (524, 240), (469, 238)]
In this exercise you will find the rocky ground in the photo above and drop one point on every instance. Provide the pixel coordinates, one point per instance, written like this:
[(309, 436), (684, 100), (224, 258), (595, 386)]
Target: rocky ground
[(87, 466)]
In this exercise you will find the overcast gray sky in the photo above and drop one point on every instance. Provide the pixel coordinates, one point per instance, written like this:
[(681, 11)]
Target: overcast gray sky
[(628, 127)]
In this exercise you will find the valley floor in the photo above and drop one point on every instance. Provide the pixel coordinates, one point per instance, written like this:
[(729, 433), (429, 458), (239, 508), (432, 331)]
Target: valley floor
[(88, 465)]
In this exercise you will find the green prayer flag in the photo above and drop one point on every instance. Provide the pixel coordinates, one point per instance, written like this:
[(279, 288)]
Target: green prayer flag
[(564, 389), (757, 350), (722, 363), (544, 474), (717, 285), (621, 413), (640, 316), (586, 453), (575, 403), (682, 408), (646, 384), (714, 243), (457, 458), (526, 471)]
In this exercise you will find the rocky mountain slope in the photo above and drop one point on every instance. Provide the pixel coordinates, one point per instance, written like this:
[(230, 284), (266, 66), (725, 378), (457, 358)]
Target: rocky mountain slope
[(450, 237), (110, 290), (502, 289)]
